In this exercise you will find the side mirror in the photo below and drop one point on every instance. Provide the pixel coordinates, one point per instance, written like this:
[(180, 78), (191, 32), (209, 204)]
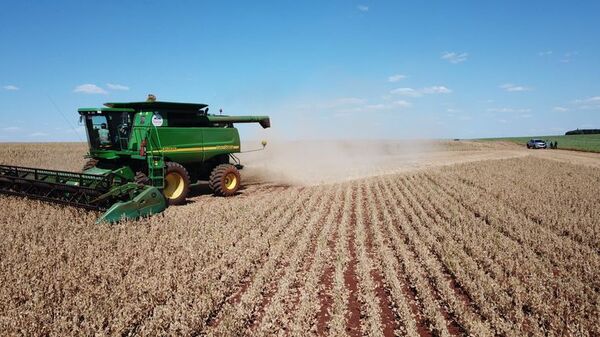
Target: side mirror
[(80, 119)]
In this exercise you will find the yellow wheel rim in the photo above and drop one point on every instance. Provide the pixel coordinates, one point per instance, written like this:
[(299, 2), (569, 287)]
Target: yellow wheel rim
[(174, 185), (230, 181)]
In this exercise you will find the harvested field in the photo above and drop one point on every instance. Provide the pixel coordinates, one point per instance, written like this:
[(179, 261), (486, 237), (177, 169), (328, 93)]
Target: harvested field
[(469, 239)]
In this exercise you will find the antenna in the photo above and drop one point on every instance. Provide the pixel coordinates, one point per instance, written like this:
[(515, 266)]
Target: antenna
[(65, 118)]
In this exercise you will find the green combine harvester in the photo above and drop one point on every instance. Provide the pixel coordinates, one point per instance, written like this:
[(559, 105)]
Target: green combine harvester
[(143, 156)]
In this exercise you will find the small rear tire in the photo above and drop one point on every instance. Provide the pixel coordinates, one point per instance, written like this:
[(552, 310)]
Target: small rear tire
[(224, 180), (177, 183)]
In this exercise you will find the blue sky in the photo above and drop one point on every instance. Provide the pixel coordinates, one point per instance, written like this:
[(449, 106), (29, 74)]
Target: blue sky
[(320, 69)]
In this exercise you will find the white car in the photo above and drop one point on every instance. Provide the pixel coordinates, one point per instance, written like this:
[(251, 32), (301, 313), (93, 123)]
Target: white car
[(536, 144)]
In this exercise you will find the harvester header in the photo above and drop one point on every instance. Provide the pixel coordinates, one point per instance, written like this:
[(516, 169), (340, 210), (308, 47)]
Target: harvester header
[(143, 156)]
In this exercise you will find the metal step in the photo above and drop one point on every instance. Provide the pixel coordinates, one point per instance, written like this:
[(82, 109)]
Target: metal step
[(156, 171)]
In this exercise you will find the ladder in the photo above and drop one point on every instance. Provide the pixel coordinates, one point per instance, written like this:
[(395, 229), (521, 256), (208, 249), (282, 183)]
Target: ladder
[(156, 163), (156, 170)]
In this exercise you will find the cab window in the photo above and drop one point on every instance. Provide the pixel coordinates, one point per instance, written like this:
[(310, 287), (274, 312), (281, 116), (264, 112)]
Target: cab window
[(99, 132)]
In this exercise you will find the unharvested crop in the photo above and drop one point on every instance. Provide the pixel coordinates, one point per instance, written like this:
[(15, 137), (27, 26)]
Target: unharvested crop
[(492, 246)]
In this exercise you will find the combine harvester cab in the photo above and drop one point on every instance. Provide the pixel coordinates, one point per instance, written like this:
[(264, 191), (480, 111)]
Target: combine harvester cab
[(143, 156)]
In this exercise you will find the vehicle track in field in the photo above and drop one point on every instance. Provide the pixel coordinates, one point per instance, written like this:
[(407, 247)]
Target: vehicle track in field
[(353, 310), (326, 280)]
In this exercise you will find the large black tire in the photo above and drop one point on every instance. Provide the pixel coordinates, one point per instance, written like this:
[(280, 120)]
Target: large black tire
[(177, 183), (224, 180), (91, 163)]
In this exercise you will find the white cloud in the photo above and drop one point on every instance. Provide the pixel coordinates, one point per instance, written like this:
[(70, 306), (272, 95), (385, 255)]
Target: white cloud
[(344, 111), (568, 57), (526, 116), (401, 104), (396, 78), (590, 103), (10, 87), (514, 87), (38, 134), (545, 53), (410, 92), (453, 57), (11, 128), (112, 86), (436, 90), (380, 106), (345, 101), (385, 106), (406, 92), (509, 110), (363, 8), (341, 104), (560, 109), (594, 99), (89, 89)]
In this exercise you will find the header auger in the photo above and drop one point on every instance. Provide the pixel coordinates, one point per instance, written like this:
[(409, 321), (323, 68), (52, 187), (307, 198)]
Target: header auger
[(143, 156)]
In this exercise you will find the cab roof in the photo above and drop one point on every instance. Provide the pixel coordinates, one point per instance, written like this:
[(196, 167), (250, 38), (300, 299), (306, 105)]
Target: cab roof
[(158, 105), (98, 110)]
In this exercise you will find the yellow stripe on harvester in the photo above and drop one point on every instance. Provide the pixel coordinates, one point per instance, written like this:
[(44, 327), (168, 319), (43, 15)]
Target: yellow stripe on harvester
[(198, 148)]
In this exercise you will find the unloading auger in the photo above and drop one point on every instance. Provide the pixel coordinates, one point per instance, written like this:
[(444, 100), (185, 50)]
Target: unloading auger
[(143, 156)]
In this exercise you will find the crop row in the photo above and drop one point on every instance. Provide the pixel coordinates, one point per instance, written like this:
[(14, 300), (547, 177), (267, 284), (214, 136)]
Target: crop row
[(453, 251)]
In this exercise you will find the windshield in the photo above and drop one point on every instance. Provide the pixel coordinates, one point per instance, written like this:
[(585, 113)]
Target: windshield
[(109, 130)]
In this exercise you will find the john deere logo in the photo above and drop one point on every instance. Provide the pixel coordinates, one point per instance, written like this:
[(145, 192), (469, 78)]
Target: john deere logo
[(157, 120)]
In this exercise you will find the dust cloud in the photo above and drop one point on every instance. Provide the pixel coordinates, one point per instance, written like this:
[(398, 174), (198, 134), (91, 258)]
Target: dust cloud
[(313, 162)]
